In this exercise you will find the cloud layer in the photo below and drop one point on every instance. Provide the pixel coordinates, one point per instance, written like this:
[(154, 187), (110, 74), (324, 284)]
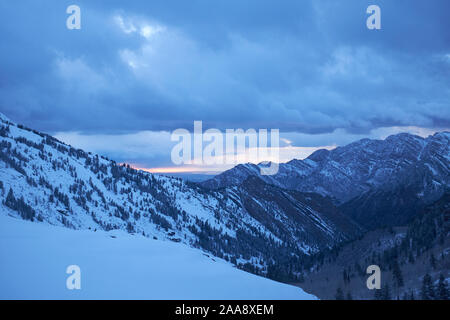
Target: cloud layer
[(300, 66)]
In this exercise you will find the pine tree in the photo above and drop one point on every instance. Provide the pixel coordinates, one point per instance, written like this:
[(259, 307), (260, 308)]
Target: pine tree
[(411, 257), (378, 294), (386, 295), (397, 273), (10, 200), (339, 294), (19, 205), (301, 278), (442, 292), (433, 261), (427, 291)]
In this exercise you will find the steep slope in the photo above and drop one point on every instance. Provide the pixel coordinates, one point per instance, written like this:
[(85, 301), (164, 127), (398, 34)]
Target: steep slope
[(404, 254), (45, 180), (116, 265), (309, 217), (388, 179)]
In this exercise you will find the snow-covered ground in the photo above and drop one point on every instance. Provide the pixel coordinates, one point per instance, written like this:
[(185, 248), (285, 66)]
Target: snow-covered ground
[(117, 265)]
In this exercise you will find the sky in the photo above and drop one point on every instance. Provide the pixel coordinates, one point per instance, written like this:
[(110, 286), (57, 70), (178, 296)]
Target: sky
[(138, 70)]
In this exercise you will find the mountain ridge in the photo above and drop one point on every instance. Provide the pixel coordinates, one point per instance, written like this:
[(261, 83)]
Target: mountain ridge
[(366, 170)]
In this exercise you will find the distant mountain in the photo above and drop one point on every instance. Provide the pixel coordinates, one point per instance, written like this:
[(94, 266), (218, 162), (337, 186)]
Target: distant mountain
[(258, 227), (376, 182)]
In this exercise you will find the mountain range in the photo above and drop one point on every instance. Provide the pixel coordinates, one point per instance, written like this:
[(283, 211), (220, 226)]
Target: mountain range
[(375, 182), (275, 226), (258, 227)]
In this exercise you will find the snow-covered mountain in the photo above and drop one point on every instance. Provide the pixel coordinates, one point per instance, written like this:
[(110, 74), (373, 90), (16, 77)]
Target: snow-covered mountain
[(260, 228), (386, 177)]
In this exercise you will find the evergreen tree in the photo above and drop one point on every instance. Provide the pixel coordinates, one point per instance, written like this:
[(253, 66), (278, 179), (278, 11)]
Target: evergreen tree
[(411, 257), (442, 292), (10, 199), (397, 273), (378, 294), (433, 261), (339, 294), (427, 292), (386, 294), (19, 205)]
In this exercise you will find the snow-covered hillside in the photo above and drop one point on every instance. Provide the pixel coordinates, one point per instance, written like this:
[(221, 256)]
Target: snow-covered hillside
[(117, 265), (46, 181)]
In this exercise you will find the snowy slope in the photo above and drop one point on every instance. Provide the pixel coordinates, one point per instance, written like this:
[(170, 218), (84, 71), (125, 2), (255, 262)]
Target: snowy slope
[(34, 258)]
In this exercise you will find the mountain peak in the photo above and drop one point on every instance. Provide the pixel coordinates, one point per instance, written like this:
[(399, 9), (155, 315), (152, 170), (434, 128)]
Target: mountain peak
[(319, 155), (404, 136), (442, 135)]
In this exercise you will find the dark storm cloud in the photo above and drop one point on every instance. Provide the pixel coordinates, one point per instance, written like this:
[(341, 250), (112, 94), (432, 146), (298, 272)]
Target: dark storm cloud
[(305, 66)]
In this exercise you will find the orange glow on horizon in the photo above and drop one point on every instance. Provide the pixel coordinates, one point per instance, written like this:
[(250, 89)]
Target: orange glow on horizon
[(285, 154), (167, 170), (174, 169)]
